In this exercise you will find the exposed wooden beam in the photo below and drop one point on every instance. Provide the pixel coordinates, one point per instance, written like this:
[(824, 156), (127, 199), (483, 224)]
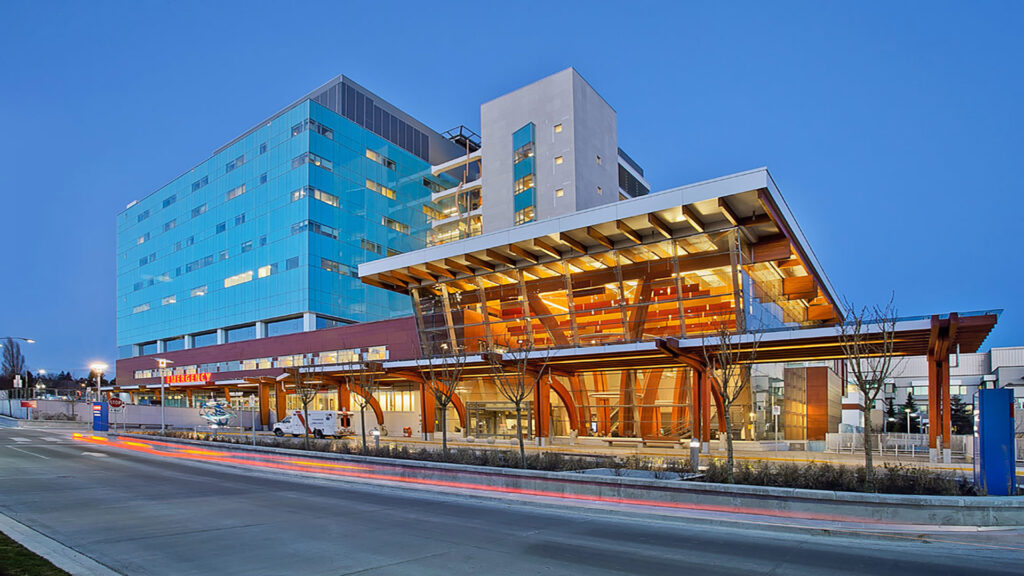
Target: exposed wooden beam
[(572, 243), (522, 253), (499, 257), (439, 271), (544, 246), (628, 232), (601, 238), (403, 277), (659, 225), (723, 207), (693, 219), (421, 274), (455, 264), (479, 263)]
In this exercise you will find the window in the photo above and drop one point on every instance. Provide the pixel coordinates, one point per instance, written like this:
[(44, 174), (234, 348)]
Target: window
[(322, 229), (143, 238), (380, 159), (432, 213), (312, 159), (264, 271), (263, 178), (371, 246), (433, 186), (558, 128), (598, 159), (142, 216), (393, 252), (380, 188), (147, 259), (291, 263), (560, 192), (559, 160), (523, 184), (246, 246), (200, 263), (208, 339), (169, 300), (320, 129), (236, 163), (199, 210), (523, 216), (223, 255), (330, 265), (281, 327), (300, 127), (263, 240), (170, 200), (394, 225), (315, 193), (140, 308), (239, 334), (138, 286), (238, 279), (599, 191), (190, 241), (170, 224), (523, 152), (236, 192), (222, 227), (240, 219), (263, 148), (198, 291), (200, 183)]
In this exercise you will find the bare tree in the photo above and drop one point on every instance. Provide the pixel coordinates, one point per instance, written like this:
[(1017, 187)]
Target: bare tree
[(365, 376), (307, 386), (867, 338), (728, 356), (13, 362), (444, 372), (515, 375)]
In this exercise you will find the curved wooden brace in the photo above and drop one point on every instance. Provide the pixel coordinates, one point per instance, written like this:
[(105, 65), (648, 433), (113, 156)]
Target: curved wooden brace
[(371, 400), (570, 404)]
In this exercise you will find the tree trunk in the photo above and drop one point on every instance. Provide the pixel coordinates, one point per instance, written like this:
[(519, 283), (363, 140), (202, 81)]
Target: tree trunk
[(869, 472), (362, 421), (519, 433), (728, 444), (444, 431)]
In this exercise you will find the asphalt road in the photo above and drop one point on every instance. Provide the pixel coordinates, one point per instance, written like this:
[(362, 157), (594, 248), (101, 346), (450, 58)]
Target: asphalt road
[(143, 514)]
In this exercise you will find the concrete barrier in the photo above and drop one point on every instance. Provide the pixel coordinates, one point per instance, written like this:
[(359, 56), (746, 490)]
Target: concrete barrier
[(821, 505)]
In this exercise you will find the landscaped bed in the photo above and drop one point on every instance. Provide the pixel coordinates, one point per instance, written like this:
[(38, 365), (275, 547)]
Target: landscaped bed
[(889, 479)]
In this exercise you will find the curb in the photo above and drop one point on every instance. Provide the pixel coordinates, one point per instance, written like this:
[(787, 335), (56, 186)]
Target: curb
[(61, 556)]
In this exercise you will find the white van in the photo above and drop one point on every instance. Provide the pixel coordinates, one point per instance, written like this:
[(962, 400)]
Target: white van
[(321, 423)]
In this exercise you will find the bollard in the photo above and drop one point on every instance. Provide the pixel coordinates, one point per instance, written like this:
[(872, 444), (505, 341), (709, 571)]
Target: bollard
[(694, 454)]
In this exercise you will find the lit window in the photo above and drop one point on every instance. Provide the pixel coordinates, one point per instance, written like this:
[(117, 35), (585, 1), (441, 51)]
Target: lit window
[(236, 192), (523, 152), (312, 159), (523, 184), (169, 300), (237, 162), (142, 216), (558, 128), (560, 192), (559, 159), (432, 213), (380, 188), (264, 271), (170, 225), (143, 238), (223, 255), (380, 159), (238, 279), (371, 246), (393, 252), (140, 308), (199, 210), (330, 265), (394, 225), (523, 216), (198, 291), (200, 183), (320, 195)]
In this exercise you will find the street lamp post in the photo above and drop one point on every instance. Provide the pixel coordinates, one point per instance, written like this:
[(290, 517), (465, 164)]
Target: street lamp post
[(98, 368), (29, 341), (162, 363)]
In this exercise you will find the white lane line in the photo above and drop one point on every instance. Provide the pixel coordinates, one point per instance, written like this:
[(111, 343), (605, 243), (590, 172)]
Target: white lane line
[(97, 454), (18, 439), (53, 439), (30, 453)]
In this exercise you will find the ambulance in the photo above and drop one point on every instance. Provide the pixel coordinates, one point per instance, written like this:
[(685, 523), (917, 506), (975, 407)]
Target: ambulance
[(321, 423)]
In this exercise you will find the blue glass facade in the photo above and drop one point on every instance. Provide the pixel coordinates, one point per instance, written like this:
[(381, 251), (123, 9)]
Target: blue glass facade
[(273, 226)]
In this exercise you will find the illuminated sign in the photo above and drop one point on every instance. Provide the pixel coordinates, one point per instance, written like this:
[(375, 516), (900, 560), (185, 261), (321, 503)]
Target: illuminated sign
[(183, 378)]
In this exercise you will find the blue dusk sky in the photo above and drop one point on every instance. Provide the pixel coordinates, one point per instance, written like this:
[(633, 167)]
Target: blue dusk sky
[(893, 129)]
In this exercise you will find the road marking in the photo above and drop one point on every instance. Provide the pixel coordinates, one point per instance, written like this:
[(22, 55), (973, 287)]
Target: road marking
[(54, 439), (97, 454), (18, 439), (29, 453)]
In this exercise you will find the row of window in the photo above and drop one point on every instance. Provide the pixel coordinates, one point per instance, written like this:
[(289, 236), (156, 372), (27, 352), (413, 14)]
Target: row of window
[(380, 159), (247, 276), (311, 192), (314, 226), (313, 126), (338, 268), (328, 357), (309, 157), (380, 189)]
